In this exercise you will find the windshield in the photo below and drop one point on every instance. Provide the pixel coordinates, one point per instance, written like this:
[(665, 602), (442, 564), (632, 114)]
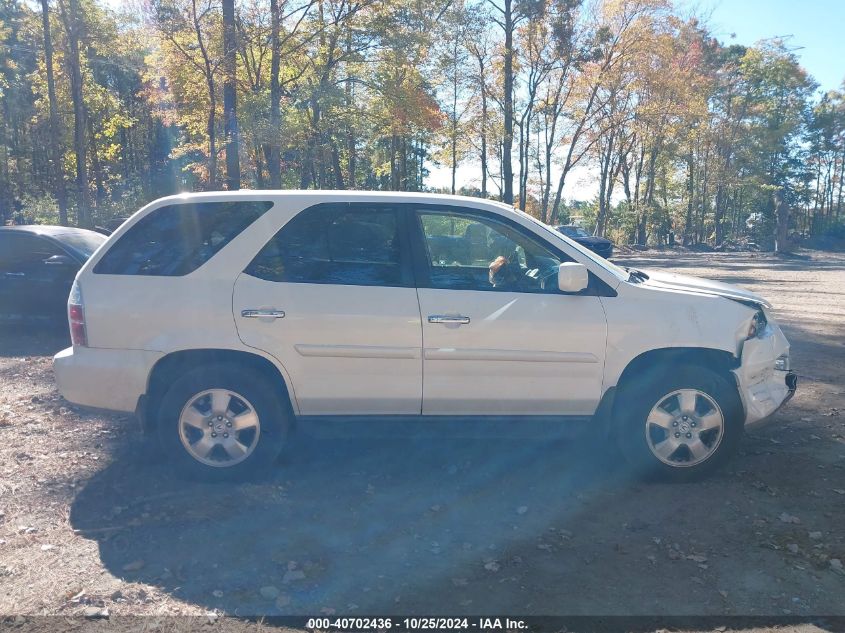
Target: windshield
[(83, 242), (573, 231), (612, 268)]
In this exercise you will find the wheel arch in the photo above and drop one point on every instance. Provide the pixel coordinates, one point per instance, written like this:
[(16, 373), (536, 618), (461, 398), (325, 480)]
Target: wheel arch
[(176, 363), (655, 361), (653, 364)]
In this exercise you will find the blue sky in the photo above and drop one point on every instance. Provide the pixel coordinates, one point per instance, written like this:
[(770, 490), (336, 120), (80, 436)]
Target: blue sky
[(815, 26), (815, 29)]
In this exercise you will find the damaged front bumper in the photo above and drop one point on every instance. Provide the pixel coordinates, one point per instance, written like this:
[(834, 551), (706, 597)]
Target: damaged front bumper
[(764, 377)]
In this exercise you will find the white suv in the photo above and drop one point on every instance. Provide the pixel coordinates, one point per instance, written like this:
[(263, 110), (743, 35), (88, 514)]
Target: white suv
[(224, 319)]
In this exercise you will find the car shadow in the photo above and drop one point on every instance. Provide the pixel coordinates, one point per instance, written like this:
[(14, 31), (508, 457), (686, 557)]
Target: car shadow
[(32, 338), (475, 526), (376, 526)]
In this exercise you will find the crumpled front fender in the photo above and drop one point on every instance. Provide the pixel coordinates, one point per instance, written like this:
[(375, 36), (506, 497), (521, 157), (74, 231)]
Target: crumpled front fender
[(763, 388)]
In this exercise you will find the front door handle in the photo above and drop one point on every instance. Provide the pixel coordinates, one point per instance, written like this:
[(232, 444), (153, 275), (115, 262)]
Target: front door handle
[(448, 318), (263, 314)]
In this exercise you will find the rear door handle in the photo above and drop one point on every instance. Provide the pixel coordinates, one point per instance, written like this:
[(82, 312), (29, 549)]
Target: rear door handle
[(263, 314), (448, 318)]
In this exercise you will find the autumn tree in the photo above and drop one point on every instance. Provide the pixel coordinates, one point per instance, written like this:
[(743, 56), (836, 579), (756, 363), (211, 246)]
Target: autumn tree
[(671, 130)]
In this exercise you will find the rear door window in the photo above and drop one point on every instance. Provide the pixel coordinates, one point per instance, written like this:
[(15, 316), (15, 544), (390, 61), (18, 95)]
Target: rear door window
[(346, 244), (22, 251), (179, 238)]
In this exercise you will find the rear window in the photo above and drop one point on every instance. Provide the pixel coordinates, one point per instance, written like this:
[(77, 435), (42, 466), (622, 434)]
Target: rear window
[(179, 238), (82, 242)]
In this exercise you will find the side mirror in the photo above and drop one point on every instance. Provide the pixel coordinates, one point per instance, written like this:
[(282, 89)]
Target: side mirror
[(572, 277), (60, 260)]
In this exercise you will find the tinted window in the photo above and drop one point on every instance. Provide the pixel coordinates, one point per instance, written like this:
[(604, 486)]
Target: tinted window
[(573, 231), (23, 251), (336, 244), (82, 242), (179, 238), (469, 252)]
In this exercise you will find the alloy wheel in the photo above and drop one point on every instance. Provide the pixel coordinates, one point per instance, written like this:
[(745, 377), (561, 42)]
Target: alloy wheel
[(684, 428), (219, 428)]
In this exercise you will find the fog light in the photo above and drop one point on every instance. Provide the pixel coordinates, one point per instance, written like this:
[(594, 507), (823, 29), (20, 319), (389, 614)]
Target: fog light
[(782, 362)]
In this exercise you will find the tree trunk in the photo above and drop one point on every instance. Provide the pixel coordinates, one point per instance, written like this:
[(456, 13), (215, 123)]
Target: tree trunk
[(507, 141), (212, 99), (690, 199), (403, 164), (83, 215), (484, 143), (259, 168), (274, 158), (350, 130), (230, 107), (96, 167), (338, 172), (839, 196), (719, 214), (606, 166), (55, 136), (394, 169), (782, 219), (212, 135), (642, 227), (479, 56)]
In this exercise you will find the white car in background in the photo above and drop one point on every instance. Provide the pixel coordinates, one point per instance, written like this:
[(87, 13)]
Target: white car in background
[(224, 319)]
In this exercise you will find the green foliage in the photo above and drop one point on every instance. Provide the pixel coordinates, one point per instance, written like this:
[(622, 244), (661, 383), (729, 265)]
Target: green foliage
[(38, 209), (680, 132)]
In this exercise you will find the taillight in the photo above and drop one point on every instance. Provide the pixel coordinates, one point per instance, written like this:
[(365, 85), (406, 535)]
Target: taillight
[(76, 317)]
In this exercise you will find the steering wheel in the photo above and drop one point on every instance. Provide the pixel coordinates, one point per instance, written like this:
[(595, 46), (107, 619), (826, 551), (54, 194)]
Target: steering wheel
[(542, 275)]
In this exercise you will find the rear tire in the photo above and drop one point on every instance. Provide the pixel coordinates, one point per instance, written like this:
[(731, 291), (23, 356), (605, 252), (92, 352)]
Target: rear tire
[(680, 427), (222, 423)]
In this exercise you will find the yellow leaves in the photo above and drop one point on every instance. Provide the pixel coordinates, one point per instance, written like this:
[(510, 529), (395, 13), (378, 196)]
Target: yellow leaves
[(401, 102)]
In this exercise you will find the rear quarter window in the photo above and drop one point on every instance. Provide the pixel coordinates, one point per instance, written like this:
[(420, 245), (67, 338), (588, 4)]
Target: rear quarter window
[(177, 239)]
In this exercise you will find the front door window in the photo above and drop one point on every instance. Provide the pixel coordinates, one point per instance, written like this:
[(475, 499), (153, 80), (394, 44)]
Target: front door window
[(469, 252)]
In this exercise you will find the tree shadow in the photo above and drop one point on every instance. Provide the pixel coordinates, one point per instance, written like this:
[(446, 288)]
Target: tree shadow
[(377, 526), (463, 526), (818, 261)]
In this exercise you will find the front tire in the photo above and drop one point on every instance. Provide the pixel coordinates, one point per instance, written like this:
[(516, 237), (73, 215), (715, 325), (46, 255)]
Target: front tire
[(222, 423), (681, 427)]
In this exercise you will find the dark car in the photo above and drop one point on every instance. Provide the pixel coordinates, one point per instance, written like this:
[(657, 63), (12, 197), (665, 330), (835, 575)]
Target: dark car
[(37, 268), (598, 245), (110, 226)]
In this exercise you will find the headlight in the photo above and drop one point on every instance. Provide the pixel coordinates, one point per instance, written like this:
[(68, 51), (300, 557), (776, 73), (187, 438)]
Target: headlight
[(758, 325), (782, 362)]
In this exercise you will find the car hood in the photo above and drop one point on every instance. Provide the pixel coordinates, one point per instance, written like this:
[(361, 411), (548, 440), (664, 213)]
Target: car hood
[(671, 281)]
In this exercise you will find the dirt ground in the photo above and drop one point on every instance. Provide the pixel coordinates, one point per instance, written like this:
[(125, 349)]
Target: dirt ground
[(88, 518)]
